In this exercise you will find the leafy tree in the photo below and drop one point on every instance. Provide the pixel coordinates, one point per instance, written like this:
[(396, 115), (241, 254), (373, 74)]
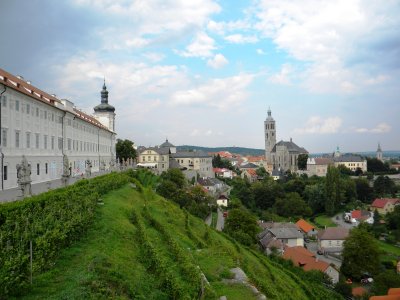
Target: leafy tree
[(242, 226), (168, 189), (315, 197), (295, 185), (292, 205), (302, 161), (262, 172), (218, 162), (384, 281), (358, 171), (345, 170), (333, 190), (363, 189), (393, 218), (348, 187), (360, 254), (375, 165), (125, 150), (176, 176), (384, 186), (241, 190), (344, 289), (265, 193)]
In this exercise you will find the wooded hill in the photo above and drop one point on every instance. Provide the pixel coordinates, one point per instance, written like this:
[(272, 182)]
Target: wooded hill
[(141, 246)]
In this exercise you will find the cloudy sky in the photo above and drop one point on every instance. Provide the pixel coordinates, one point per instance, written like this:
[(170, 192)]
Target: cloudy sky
[(204, 72)]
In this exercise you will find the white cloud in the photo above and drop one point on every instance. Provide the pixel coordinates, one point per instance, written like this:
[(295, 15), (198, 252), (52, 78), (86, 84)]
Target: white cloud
[(261, 51), (137, 42), (241, 39), (217, 62), (201, 46), (154, 57), (319, 125), (222, 27), (380, 128), (222, 93), (338, 40), (283, 77)]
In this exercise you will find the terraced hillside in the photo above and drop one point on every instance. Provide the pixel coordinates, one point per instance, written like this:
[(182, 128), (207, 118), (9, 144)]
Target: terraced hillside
[(142, 246)]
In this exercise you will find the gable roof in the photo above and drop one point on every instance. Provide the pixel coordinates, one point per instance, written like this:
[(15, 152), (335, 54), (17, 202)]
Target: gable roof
[(190, 154), (303, 258), (291, 147), (334, 233), (360, 214), (348, 158), (323, 161), (161, 151), (248, 166), (304, 225), (251, 172), (286, 233), (380, 203)]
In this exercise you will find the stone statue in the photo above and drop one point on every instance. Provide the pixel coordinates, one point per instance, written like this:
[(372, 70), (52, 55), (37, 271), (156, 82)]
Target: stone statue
[(88, 169), (24, 177), (66, 173), (102, 166)]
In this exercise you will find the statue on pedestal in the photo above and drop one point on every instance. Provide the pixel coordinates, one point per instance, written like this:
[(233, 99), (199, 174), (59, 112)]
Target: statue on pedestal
[(88, 169), (24, 177), (102, 167), (66, 173)]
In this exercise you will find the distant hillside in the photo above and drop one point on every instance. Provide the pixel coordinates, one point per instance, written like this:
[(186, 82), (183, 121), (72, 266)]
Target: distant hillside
[(237, 150)]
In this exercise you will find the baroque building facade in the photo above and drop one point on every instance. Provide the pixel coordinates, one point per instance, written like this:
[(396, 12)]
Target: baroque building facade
[(282, 155), (49, 132)]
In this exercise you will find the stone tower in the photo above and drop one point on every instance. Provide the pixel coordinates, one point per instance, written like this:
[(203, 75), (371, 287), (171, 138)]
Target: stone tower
[(379, 153), (270, 136), (104, 112)]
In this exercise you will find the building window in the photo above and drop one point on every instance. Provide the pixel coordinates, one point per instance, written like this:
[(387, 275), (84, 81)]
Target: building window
[(52, 144), (28, 109), (45, 142), (46, 165), (16, 139), (4, 137), (37, 140), (60, 143), (37, 112), (45, 114), (5, 172), (37, 169), (28, 140), (69, 144), (52, 117), (16, 105)]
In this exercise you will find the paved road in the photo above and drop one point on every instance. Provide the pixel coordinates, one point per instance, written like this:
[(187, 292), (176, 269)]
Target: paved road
[(220, 221), (338, 220), (312, 246)]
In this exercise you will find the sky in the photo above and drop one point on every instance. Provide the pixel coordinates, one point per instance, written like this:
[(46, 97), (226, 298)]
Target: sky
[(205, 72)]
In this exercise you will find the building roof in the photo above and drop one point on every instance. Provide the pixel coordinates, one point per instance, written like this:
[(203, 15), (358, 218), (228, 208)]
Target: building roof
[(303, 258), (334, 233), (304, 226), (161, 151), (394, 291), (221, 170), (380, 203), (360, 214), (173, 164), (292, 147), (286, 233), (358, 291), (255, 158), (248, 166), (323, 161), (268, 225), (166, 144), (251, 172), (223, 154), (348, 158), (190, 154), (206, 182), (24, 87)]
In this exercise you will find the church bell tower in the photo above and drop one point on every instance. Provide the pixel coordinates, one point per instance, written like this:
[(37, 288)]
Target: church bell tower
[(270, 136), (104, 112)]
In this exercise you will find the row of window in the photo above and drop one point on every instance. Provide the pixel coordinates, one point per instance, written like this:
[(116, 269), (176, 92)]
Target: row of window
[(34, 141), (46, 170)]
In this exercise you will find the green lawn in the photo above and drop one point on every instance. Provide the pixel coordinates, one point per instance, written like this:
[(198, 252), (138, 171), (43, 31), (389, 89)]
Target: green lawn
[(323, 220), (389, 249)]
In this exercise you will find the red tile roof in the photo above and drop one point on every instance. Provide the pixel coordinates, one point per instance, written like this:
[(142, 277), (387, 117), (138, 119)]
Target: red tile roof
[(304, 226), (251, 172), (380, 203), (301, 257), (360, 214), (255, 158), (394, 291)]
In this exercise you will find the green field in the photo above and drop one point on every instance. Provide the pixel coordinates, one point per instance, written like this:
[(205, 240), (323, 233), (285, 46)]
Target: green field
[(142, 246), (390, 252), (323, 220)]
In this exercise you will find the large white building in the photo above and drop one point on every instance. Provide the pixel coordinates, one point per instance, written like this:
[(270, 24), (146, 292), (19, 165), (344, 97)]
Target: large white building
[(46, 129)]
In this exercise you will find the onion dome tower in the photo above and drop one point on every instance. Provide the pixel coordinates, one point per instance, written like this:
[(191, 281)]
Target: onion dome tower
[(104, 112)]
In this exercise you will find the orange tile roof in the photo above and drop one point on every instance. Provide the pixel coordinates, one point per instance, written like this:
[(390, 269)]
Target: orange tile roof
[(251, 172), (385, 297), (255, 158), (304, 225), (303, 258), (380, 203), (358, 291), (394, 291)]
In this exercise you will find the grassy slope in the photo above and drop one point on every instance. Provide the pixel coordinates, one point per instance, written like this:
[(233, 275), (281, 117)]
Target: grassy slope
[(108, 262)]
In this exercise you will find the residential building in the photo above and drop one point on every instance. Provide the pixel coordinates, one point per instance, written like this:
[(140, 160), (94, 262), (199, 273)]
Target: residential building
[(51, 132), (305, 259), (198, 161), (250, 174), (223, 173), (154, 158), (212, 185), (385, 205), (222, 201), (282, 155), (331, 239), (350, 161), (306, 228), (362, 216), (287, 237)]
